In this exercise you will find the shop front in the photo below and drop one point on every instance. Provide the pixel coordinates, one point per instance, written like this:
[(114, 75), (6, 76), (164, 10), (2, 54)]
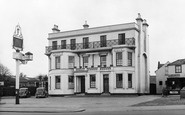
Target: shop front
[(175, 84)]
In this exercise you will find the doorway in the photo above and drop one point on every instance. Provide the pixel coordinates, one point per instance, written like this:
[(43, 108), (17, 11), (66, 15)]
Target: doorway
[(105, 83), (82, 84)]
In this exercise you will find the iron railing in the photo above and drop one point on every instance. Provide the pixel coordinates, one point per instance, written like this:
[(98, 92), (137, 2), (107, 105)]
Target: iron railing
[(91, 45)]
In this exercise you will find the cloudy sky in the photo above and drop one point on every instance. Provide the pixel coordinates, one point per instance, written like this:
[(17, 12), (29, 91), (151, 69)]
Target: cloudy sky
[(166, 19)]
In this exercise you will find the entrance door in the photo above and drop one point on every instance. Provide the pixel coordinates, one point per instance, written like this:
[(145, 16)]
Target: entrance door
[(105, 83), (152, 88), (83, 84)]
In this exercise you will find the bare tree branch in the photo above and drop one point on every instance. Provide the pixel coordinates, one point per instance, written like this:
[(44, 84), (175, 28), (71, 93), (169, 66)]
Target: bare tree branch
[(4, 70)]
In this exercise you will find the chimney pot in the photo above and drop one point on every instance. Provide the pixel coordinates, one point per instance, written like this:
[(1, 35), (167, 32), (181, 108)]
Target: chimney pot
[(145, 23), (55, 29), (139, 17), (86, 25)]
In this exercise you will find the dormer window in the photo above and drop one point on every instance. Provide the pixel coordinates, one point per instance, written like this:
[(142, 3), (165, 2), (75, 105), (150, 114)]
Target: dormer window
[(178, 69)]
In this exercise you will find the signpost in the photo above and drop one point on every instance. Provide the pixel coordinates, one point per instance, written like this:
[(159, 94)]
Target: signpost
[(19, 57)]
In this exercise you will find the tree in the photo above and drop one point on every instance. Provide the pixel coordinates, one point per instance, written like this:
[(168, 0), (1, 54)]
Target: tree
[(4, 71), (45, 78), (5, 75), (22, 75), (42, 79)]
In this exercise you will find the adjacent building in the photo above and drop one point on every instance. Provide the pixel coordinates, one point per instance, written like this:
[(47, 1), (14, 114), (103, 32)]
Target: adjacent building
[(152, 84), (110, 59), (172, 76), (161, 77)]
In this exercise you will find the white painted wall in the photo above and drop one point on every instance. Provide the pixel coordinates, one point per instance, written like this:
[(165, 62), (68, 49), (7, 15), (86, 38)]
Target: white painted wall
[(161, 76), (64, 82), (137, 68), (95, 37)]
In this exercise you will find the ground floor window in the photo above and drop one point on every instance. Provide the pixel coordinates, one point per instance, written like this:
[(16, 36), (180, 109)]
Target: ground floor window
[(92, 81), (57, 82), (160, 82), (129, 80), (119, 80), (71, 82)]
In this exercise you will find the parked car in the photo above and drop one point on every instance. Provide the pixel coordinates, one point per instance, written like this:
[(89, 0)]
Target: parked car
[(41, 92), (24, 92)]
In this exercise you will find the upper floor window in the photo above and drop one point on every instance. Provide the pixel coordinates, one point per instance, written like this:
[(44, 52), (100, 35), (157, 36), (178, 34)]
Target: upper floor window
[(166, 70), (103, 60), (119, 58), (57, 82), (57, 62), (54, 45), (121, 39), (71, 82), (119, 81), (71, 60), (129, 58), (85, 61), (178, 69), (73, 44), (92, 81), (103, 41), (85, 42), (63, 44)]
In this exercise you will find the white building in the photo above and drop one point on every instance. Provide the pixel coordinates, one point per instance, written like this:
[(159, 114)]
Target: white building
[(110, 59), (161, 77)]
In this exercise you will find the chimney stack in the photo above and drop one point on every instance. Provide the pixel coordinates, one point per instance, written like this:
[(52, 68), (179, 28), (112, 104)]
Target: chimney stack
[(86, 25), (55, 29), (145, 23)]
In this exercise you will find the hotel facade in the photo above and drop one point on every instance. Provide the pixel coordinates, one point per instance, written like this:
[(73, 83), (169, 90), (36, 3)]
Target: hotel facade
[(110, 59)]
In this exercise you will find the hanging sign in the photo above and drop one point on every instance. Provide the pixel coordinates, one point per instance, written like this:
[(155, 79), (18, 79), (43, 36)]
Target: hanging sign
[(18, 39)]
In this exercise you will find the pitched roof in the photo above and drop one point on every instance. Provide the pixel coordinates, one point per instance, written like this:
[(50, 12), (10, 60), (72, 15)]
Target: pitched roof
[(178, 62)]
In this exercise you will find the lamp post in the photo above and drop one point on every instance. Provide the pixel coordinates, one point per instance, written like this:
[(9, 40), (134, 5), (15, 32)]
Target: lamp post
[(19, 57)]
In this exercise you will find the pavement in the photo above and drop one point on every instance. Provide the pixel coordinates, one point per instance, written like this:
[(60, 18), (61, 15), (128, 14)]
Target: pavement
[(70, 104)]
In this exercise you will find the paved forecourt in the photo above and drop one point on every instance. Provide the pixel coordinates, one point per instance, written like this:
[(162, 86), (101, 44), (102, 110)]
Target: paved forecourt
[(80, 104)]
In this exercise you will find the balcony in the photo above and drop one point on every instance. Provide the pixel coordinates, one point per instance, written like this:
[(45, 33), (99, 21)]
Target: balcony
[(130, 42)]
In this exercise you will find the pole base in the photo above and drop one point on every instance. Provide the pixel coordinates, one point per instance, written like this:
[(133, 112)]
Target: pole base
[(17, 96)]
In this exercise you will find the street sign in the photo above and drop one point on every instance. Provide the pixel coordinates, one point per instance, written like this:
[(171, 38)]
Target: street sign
[(18, 39)]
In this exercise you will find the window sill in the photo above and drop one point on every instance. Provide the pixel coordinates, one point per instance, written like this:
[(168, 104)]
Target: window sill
[(93, 88), (130, 88), (57, 89), (119, 88), (71, 88)]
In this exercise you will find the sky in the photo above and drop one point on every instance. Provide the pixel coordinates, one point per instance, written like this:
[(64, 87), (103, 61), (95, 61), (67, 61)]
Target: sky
[(37, 17)]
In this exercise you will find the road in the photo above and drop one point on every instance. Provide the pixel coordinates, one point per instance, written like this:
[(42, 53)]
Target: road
[(161, 112)]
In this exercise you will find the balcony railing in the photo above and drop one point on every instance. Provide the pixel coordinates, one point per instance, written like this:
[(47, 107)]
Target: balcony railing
[(91, 45)]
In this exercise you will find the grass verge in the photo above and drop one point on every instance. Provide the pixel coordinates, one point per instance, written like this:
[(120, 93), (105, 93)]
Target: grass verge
[(170, 100)]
